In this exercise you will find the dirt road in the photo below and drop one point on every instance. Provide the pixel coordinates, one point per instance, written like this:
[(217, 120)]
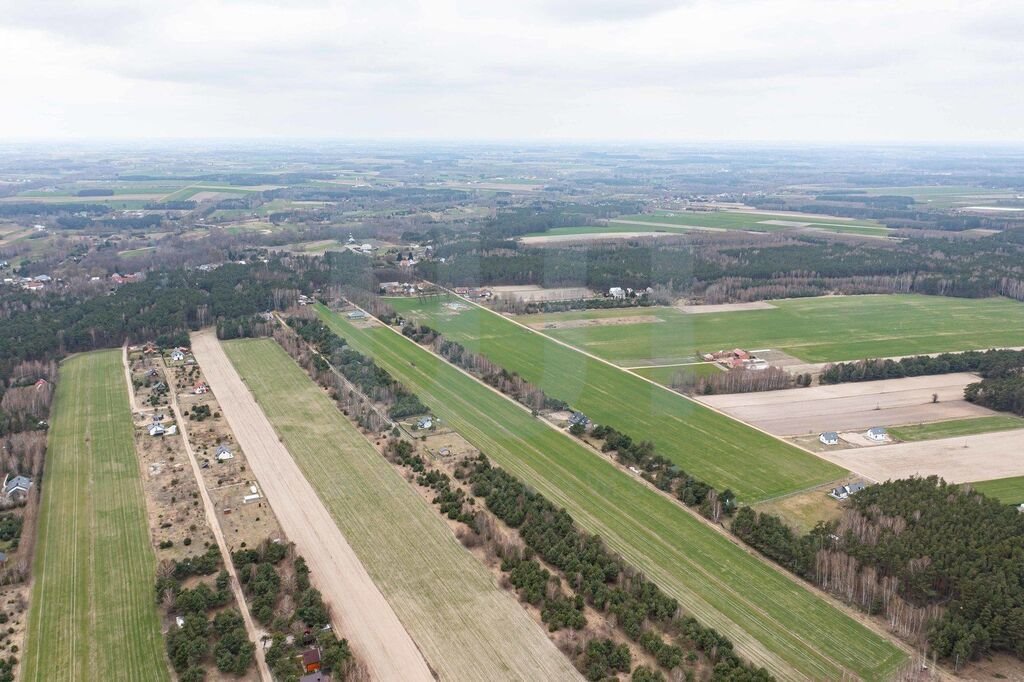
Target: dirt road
[(359, 610)]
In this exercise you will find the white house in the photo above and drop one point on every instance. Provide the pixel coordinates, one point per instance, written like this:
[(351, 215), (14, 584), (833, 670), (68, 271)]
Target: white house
[(425, 423), (844, 491), (156, 429), (829, 438), (878, 434), (223, 454), (617, 292), (177, 355), (16, 486)]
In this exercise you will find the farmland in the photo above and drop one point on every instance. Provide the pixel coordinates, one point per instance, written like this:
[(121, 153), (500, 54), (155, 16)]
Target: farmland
[(826, 329), (756, 222), (958, 427), (465, 625), (723, 452), (773, 621), (93, 616), (1008, 490)]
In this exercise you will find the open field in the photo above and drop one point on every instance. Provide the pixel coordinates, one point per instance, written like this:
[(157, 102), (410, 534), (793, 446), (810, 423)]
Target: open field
[(666, 373), (964, 458), (1008, 490), (852, 407), (773, 620), (957, 427), (713, 447), (758, 221), (533, 292), (93, 615), (466, 626), (941, 196), (824, 329)]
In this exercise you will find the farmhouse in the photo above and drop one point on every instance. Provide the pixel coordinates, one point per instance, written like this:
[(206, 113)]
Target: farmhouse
[(878, 434), (156, 429), (16, 487), (617, 292), (844, 491), (579, 418), (177, 355), (311, 660), (425, 423), (223, 454), (201, 388), (829, 438), (357, 315)]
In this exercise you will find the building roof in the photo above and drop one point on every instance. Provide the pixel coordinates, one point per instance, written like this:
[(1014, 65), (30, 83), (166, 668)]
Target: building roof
[(313, 677), (877, 431), (830, 435), (22, 483), (310, 656)]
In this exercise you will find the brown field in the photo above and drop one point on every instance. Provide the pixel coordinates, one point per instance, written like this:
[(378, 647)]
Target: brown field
[(366, 618), (979, 457), (803, 510), (213, 195), (533, 292), (726, 307), (852, 407), (596, 322)]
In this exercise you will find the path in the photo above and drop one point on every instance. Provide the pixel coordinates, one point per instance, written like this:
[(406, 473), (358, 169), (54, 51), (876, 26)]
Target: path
[(363, 616)]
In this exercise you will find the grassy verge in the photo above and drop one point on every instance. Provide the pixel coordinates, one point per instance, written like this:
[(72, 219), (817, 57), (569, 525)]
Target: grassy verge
[(93, 613), (774, 621)]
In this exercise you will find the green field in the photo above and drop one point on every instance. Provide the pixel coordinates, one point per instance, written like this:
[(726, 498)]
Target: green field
[(773, 620), (607, 229), (823, 329), (1008, 490), (957, 427), (93, 615), (665, 374), (467, 627), (757, 222), (720, 450)]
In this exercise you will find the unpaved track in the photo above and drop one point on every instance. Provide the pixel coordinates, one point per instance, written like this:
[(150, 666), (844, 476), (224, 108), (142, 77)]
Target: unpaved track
[(359, 609)]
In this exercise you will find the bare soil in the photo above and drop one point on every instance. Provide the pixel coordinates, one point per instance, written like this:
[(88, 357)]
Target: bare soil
[(533, 292), (360, 611), (726, 307), (596, 322), (853, 406)]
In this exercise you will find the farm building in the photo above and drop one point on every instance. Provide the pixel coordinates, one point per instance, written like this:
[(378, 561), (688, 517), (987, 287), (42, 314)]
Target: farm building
[(617, 292), (223, 454), (829, 438), (357, 315), (878, 434), (16, 487), (844, 491), (425, 423), (177, 355)]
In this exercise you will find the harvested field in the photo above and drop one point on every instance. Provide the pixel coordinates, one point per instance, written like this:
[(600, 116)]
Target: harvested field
[(533, 292), (957, 427), (726, 307), (966, 458), (366, 619), (852, 407), (570, 324), (464, 624), (93, 616), (772, 619)]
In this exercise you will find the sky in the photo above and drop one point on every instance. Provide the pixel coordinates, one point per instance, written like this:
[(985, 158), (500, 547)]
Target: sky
[(822, 71)]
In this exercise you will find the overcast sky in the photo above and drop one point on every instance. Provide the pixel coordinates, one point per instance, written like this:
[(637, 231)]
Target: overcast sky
[(691, 70)]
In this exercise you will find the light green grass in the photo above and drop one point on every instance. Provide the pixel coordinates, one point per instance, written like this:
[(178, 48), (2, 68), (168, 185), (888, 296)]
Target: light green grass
[(957, 427), (93, 614), (756, 222), (607, 229), (665, 375), (711, 446), (467, 627), (823, 329), (772, 620), (1008, 490)]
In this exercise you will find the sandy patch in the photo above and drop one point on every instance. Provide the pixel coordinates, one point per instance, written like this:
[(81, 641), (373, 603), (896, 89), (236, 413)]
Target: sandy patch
[(361, 612), (726, 307), (964, 458), (597, 322), (852, 407)]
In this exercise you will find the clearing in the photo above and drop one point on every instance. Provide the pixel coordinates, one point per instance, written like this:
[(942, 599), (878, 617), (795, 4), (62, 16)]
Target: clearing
[(821, 329), (773, 620), (852, 406), (709, 445), (961, 459), (93, 615), (464, 623)]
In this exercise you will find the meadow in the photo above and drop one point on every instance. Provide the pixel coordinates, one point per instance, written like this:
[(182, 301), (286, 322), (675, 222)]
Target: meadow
[(466, 626), (957, 427), (822, 329), (773, 620), (711, 446), (93, 615)]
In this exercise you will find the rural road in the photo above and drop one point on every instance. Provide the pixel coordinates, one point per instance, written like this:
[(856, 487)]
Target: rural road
[(211, 519), (358, 608)]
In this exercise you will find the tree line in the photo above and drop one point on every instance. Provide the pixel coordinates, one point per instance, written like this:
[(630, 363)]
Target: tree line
[(990, 364)]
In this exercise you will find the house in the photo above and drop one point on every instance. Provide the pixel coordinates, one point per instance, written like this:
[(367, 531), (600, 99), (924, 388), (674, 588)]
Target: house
[(223, 454), (177, 355), (829, 438), (357, 315), (43, 278), (41, 384), (311, 660), (33, 285), (462, 291), (313, 677), (16, 487), (579, 418), (201, 388), (425, 423), (617, 292), (878, 434), (157, 429), (844, 491), (366, 248)]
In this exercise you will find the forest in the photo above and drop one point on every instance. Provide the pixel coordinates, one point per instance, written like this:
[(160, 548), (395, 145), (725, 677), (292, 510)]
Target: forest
[(989, 363)]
